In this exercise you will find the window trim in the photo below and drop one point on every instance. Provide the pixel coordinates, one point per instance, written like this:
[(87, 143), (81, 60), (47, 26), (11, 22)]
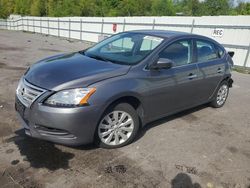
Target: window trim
[(223, 50)]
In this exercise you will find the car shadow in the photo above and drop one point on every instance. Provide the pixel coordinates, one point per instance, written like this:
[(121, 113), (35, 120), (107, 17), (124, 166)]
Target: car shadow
[(40, 153), (166, 119), (44, 154), (183, 180)]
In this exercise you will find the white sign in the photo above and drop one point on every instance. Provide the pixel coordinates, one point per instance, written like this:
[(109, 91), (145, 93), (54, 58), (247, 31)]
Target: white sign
[(218, 32)]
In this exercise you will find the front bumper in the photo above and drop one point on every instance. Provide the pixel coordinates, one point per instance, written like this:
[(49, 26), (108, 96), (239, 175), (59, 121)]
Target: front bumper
[(68, 126)]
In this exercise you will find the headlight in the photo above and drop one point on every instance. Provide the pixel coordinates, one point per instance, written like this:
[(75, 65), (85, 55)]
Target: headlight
[(70, 97)]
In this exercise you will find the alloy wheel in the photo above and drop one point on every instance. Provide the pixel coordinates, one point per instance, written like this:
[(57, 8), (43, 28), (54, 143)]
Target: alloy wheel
[(116, 128), (222, 94)]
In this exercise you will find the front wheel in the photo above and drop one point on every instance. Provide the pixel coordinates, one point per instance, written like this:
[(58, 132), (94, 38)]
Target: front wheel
[(221, 95), (118, 126)]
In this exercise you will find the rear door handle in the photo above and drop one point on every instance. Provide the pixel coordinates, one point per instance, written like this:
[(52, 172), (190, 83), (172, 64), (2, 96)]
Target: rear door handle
[(192, 76)]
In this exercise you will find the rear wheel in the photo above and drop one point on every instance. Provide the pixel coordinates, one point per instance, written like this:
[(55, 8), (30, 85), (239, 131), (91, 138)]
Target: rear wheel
[(118, 126), (221, 95)]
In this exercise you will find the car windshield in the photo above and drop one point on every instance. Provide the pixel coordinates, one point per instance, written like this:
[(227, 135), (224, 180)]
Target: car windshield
[(124, 48)]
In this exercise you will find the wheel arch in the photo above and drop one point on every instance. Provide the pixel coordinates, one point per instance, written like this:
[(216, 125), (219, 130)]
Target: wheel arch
[(133, 99), (228, 79)]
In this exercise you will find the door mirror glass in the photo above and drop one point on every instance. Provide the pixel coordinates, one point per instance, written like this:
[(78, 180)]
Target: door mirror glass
[(162, 63)]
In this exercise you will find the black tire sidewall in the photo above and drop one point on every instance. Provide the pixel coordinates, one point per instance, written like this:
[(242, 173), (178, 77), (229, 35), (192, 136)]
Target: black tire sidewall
[(119, 107), (214, 102)]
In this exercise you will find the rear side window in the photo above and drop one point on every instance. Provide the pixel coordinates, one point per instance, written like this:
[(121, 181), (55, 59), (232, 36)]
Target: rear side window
[(220, 51), (205, 51), (179, 52)]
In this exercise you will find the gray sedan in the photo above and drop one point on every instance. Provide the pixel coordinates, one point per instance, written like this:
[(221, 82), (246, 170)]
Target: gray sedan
[(106, 93)]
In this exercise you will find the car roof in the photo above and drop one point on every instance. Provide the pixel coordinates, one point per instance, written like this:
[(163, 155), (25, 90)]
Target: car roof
[(172, 34), (161, 33)]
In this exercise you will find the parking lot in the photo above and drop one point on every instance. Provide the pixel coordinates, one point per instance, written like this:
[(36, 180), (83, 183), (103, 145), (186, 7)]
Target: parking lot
[(201, 147)]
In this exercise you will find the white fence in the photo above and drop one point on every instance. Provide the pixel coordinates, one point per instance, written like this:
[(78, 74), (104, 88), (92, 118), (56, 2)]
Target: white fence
[(231, 31)]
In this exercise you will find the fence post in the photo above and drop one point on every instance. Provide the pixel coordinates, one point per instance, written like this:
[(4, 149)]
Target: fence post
[(48, 26), (69, 27), (34, 29), (81, 29), (28, 26), (58, 27), (22, 24), (153, 27), (192, 28), (102, 26), (41, 25), (247, 56), (124, 25)]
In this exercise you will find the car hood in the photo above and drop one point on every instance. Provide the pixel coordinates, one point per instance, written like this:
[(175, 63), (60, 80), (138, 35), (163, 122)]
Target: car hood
[(71, 70)]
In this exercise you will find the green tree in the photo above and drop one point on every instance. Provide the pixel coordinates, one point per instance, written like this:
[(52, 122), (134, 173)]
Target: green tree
[(196, 7), (87, 7), (38, 8), (7, 7), (163, 8), (22, 7), (127, 8), (243, 9), (189, 7), (216, 7), (121, 7)]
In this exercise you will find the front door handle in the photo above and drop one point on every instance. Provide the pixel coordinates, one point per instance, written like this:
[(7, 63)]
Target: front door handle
[(192, 76), (219, 70)]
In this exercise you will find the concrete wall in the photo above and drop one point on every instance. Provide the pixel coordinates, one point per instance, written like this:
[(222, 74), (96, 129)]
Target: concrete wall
[(231, 31)]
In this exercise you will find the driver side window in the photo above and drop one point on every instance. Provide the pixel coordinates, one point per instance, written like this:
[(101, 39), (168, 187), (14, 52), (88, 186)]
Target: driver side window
[(180, 52), (121, 45)]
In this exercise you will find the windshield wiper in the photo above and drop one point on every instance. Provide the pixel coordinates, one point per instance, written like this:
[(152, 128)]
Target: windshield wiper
[(82, 52), (94, 56), (98, 58)]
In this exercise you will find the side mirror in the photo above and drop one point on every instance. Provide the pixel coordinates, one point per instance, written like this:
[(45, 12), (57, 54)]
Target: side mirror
[(162, 63), (231, 53)]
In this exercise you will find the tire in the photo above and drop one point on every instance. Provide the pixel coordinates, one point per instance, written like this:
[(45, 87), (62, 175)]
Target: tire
[(220, 95), (118, 126)]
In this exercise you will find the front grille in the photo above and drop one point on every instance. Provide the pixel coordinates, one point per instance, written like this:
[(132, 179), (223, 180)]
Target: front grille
[(28, 93)]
